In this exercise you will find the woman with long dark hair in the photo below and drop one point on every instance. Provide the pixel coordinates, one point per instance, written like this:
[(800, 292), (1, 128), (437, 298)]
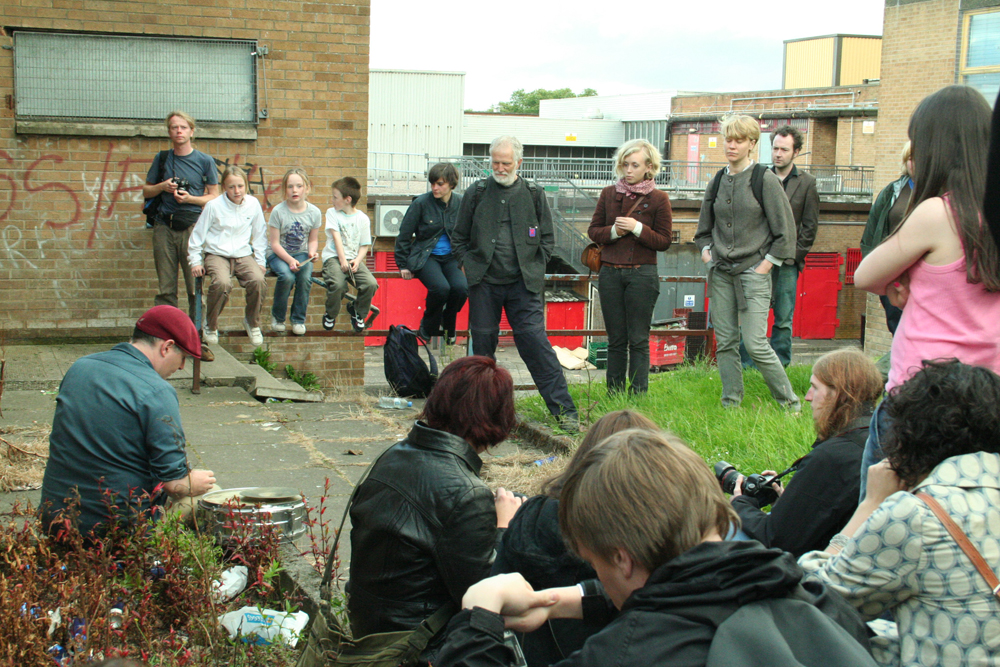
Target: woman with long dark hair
[(895, 555), (632, 222), (941, 265), (425, 527)]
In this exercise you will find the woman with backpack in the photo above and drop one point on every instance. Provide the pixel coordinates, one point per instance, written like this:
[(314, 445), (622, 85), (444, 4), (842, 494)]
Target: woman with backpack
[(745, 227)]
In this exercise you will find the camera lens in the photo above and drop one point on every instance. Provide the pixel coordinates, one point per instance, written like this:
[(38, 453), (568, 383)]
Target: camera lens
[(727, 476)]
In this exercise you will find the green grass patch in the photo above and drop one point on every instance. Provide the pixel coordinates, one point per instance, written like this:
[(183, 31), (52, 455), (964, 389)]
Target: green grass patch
[(757, 436)]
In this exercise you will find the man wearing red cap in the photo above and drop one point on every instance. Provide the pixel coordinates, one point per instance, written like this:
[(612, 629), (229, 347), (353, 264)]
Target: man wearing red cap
[(116, 436)]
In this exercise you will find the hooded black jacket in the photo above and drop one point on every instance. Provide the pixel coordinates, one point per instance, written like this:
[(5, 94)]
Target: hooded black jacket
[(424, 529), (673, 618), (534, 547)]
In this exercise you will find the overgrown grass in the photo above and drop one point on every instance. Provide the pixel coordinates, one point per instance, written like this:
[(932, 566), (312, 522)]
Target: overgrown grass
[(757, 436)]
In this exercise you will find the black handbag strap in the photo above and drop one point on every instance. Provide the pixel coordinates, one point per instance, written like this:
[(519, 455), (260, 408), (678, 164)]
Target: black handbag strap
[(324, 586)]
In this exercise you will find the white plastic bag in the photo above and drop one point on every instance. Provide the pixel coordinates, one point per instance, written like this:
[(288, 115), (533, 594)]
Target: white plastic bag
[(265, 626), (230, 584)]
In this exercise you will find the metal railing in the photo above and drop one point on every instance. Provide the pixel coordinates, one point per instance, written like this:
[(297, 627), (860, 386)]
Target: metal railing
[(676, 177), (391, 169)]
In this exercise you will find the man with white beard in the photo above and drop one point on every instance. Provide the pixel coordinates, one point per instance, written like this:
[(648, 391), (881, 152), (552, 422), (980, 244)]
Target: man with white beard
[(503, 239)]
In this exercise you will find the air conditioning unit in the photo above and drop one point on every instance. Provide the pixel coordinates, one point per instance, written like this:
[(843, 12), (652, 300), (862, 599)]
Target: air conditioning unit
[(388, 218)]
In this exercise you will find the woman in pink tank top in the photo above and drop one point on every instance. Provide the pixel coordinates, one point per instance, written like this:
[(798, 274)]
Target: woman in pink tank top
[(941, 265)]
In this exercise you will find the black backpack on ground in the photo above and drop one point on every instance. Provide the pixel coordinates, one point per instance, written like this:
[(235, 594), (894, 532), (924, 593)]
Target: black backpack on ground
[(405, 371)]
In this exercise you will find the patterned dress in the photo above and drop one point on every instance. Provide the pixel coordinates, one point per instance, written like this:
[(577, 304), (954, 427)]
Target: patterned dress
[(903, 560)]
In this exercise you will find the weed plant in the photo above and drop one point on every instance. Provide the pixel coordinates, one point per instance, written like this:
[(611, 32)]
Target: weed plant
[(759, 435), (262, 357), (306, 380), (66, 591)]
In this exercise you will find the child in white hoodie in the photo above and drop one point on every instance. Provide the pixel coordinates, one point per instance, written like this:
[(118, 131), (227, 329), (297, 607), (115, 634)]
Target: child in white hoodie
[(229, 239)]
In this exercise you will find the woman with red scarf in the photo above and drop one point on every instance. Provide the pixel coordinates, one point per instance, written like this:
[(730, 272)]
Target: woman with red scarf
[(632, 222)]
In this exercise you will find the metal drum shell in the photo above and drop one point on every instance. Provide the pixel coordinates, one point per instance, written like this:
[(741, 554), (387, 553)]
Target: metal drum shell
[(287, 518)]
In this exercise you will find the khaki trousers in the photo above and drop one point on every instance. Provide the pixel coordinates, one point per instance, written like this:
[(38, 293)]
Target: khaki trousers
[(170, 251), (220, 272)]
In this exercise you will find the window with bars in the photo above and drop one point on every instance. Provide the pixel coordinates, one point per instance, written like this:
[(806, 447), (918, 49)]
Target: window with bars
[(980, 57), (60, 76)]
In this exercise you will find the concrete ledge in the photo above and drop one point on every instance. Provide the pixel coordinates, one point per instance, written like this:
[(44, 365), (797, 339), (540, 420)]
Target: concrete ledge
[(543, 437), (109, 129)]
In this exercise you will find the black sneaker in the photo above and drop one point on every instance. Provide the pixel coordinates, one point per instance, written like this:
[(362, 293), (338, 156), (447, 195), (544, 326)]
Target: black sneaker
[(357, 323), (329, 322)]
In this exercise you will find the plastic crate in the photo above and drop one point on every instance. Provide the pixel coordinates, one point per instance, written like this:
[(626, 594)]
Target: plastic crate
[(597, 354), (666, 350)]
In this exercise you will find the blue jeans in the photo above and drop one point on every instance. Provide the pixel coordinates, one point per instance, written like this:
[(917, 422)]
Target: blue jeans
[(784, 285), (881, 421), (301, 280)]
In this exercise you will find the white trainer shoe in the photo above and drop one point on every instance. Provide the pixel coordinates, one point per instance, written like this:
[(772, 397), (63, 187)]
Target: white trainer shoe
[(256, 337), (276, 325), (212, 336), (299, 329)]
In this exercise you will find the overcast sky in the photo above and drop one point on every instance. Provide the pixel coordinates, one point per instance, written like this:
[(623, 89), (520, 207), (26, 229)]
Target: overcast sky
[(613, 47)]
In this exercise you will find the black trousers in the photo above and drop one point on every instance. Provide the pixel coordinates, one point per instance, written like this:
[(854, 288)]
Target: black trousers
[(526, 315), (628, 297), (447, 291)]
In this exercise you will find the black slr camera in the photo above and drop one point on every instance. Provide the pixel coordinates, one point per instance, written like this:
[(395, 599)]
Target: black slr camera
[(182, 183), (754, 486)]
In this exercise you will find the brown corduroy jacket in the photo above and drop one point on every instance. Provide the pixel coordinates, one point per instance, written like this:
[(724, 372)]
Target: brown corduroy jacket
[(653, 212)]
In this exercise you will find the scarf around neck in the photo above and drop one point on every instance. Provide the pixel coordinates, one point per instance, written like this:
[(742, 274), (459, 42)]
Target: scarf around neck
[(643, 187)]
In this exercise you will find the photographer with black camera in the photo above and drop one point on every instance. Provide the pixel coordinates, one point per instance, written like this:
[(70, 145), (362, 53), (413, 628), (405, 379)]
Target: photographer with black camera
[(180, 182), (821, 497)]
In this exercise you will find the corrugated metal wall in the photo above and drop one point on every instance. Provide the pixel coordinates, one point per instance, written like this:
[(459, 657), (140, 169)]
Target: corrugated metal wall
[(653, 131), (531, 130), (809, 63), (860, 58), (415, 112)]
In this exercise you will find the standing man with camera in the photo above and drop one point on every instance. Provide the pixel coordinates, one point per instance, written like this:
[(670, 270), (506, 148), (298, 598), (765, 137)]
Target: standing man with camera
[(185, 180)]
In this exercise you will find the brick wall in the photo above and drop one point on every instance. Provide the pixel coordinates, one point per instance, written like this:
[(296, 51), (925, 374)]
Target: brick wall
[(75, 259), (853, 145), (821, 141), (919, 45), (824, 148)]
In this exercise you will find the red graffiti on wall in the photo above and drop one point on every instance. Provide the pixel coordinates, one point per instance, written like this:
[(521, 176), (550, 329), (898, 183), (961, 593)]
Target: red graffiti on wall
[(13, 185), (53, 185), (104, 207)]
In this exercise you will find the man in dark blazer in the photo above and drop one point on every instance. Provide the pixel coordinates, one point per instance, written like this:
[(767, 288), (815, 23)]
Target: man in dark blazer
[(800, 187)]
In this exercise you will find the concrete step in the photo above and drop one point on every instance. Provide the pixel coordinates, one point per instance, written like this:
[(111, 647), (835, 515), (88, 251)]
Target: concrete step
[(267, 386)]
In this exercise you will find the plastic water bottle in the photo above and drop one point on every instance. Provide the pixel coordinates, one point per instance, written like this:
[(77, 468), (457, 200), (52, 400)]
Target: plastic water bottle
[(390, 403)]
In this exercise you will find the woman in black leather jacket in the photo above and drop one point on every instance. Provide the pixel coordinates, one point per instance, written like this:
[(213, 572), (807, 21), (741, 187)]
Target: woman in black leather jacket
[(425, 526)]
